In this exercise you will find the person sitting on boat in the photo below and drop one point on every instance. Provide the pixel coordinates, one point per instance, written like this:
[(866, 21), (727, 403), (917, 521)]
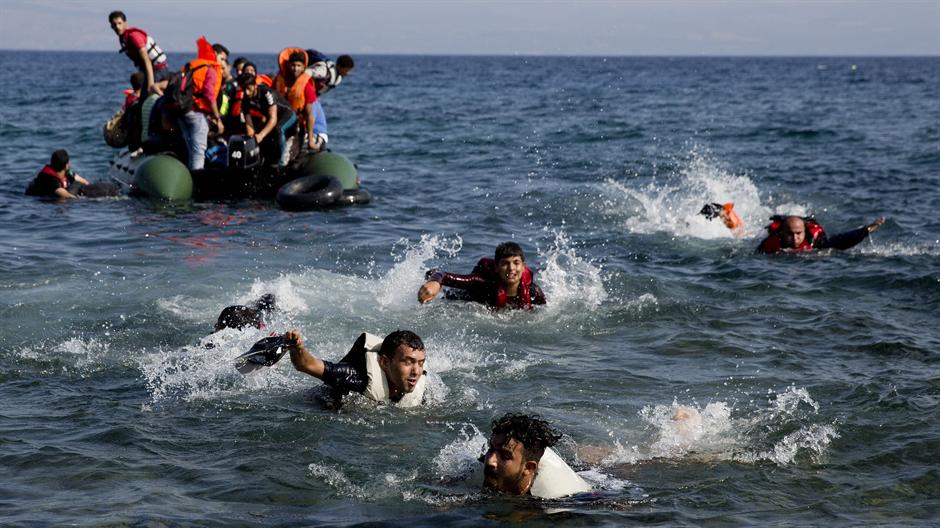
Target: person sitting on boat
[(54, 179), (389, 370), (503, 281), (143, 51), (325, 73), (268, 117), (293, 83), (726, 214), (207, 77), (520, 460), (133, 95), (795, 233)]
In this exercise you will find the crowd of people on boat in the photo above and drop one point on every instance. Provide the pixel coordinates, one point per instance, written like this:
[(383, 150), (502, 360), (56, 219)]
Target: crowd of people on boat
[(205, 102)]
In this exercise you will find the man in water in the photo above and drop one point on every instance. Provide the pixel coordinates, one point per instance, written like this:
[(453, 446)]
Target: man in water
[(239, 316), (143, 51), (389, 370), (520, 460), (55, 178), (794, 233), (501, 282)]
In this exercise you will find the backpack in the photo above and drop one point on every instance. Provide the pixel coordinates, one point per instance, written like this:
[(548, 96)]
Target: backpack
[(179, 91), (314, 56)]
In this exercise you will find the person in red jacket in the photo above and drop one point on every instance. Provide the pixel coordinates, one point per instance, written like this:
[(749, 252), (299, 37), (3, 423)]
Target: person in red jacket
[(54, 179), (795, 233), (501, 282), (143, 51)]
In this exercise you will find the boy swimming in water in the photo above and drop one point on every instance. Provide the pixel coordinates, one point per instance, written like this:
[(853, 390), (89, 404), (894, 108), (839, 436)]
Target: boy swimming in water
[(501, 282)]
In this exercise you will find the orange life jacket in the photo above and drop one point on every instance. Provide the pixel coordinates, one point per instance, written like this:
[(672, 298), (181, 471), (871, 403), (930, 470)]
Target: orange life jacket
[(205, 55), (731, 218), (295, 92)]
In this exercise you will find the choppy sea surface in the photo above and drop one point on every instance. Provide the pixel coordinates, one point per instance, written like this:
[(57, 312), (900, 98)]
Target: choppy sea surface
[(817, 377)]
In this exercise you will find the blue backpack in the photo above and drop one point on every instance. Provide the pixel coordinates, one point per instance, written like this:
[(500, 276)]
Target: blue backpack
[(314, 56)]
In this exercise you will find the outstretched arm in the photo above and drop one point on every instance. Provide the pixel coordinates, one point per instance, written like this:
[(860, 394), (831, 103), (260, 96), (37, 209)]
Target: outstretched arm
[(303, 361), (851, 238)]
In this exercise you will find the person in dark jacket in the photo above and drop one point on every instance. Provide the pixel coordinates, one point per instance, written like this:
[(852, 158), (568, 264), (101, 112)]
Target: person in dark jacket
[(794, 233), (54, 179), (501, 282), (389, 370)]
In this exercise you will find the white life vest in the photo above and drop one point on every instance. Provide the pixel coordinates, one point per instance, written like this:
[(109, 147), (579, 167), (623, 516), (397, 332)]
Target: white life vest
[(377, 389), (154, 52), (554, 478), (325, 72)]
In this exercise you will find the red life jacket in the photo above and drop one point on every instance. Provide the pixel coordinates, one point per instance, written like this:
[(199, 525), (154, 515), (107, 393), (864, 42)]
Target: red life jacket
[(63, 180), (487, 267), (772, 244), (157, 57)]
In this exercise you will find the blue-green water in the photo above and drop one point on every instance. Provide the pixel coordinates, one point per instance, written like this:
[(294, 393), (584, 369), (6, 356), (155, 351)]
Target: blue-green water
[(816, 376)]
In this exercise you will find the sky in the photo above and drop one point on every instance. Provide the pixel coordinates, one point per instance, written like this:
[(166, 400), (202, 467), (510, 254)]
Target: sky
[(504, 27)]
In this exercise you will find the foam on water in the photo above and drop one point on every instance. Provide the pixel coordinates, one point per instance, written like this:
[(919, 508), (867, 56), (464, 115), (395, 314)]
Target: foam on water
[(75, 355), (569, 279), (672, 204), (687, 431)]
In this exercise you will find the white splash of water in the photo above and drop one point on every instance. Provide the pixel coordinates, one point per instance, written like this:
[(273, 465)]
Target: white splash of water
[(709, 433), (673, 205), (399, 286), (569, 279)]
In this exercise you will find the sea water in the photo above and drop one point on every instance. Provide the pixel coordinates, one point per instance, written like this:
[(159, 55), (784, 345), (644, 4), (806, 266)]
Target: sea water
[(816, 378)]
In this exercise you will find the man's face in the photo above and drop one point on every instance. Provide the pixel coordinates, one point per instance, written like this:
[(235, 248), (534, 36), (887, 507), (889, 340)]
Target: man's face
[(250, 68), (505, 468), (118, 25), (344, 71), (793, 233), (222, 58), (404, 369), (296, 68), (510, 270)]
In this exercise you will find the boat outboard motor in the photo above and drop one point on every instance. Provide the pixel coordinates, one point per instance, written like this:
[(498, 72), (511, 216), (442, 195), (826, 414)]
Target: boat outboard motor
[(243, 152)]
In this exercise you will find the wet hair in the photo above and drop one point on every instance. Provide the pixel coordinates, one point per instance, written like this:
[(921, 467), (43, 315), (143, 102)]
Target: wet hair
[(218, 48), (509, 249), (298, 56), (533, 432), (240, 316), (116, 14), (137, 80), (344, 61), (397, 338), (59, 160), (246, 79)]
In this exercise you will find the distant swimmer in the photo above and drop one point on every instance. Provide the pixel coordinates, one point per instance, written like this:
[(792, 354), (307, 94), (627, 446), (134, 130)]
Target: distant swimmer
[(501, 282), (794, 233), (389, 370), (143, 51), (239, 316), (520, 460), (726, 214)]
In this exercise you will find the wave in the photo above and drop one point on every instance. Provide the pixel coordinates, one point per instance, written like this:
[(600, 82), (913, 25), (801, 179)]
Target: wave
[(672, 205), (785, 432)]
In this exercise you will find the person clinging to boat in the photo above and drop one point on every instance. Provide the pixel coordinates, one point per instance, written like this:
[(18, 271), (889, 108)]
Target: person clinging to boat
[(504, 281)]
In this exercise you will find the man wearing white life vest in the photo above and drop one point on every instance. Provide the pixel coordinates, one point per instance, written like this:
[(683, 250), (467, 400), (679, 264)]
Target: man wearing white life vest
[(389, 370), (520, 460), (142, 50)]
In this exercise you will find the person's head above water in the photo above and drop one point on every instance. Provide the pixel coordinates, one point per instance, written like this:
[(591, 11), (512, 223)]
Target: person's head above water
[(402, 358), (516, 446), (510, 263), (59, 161), (240, 316), (792, 232)]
